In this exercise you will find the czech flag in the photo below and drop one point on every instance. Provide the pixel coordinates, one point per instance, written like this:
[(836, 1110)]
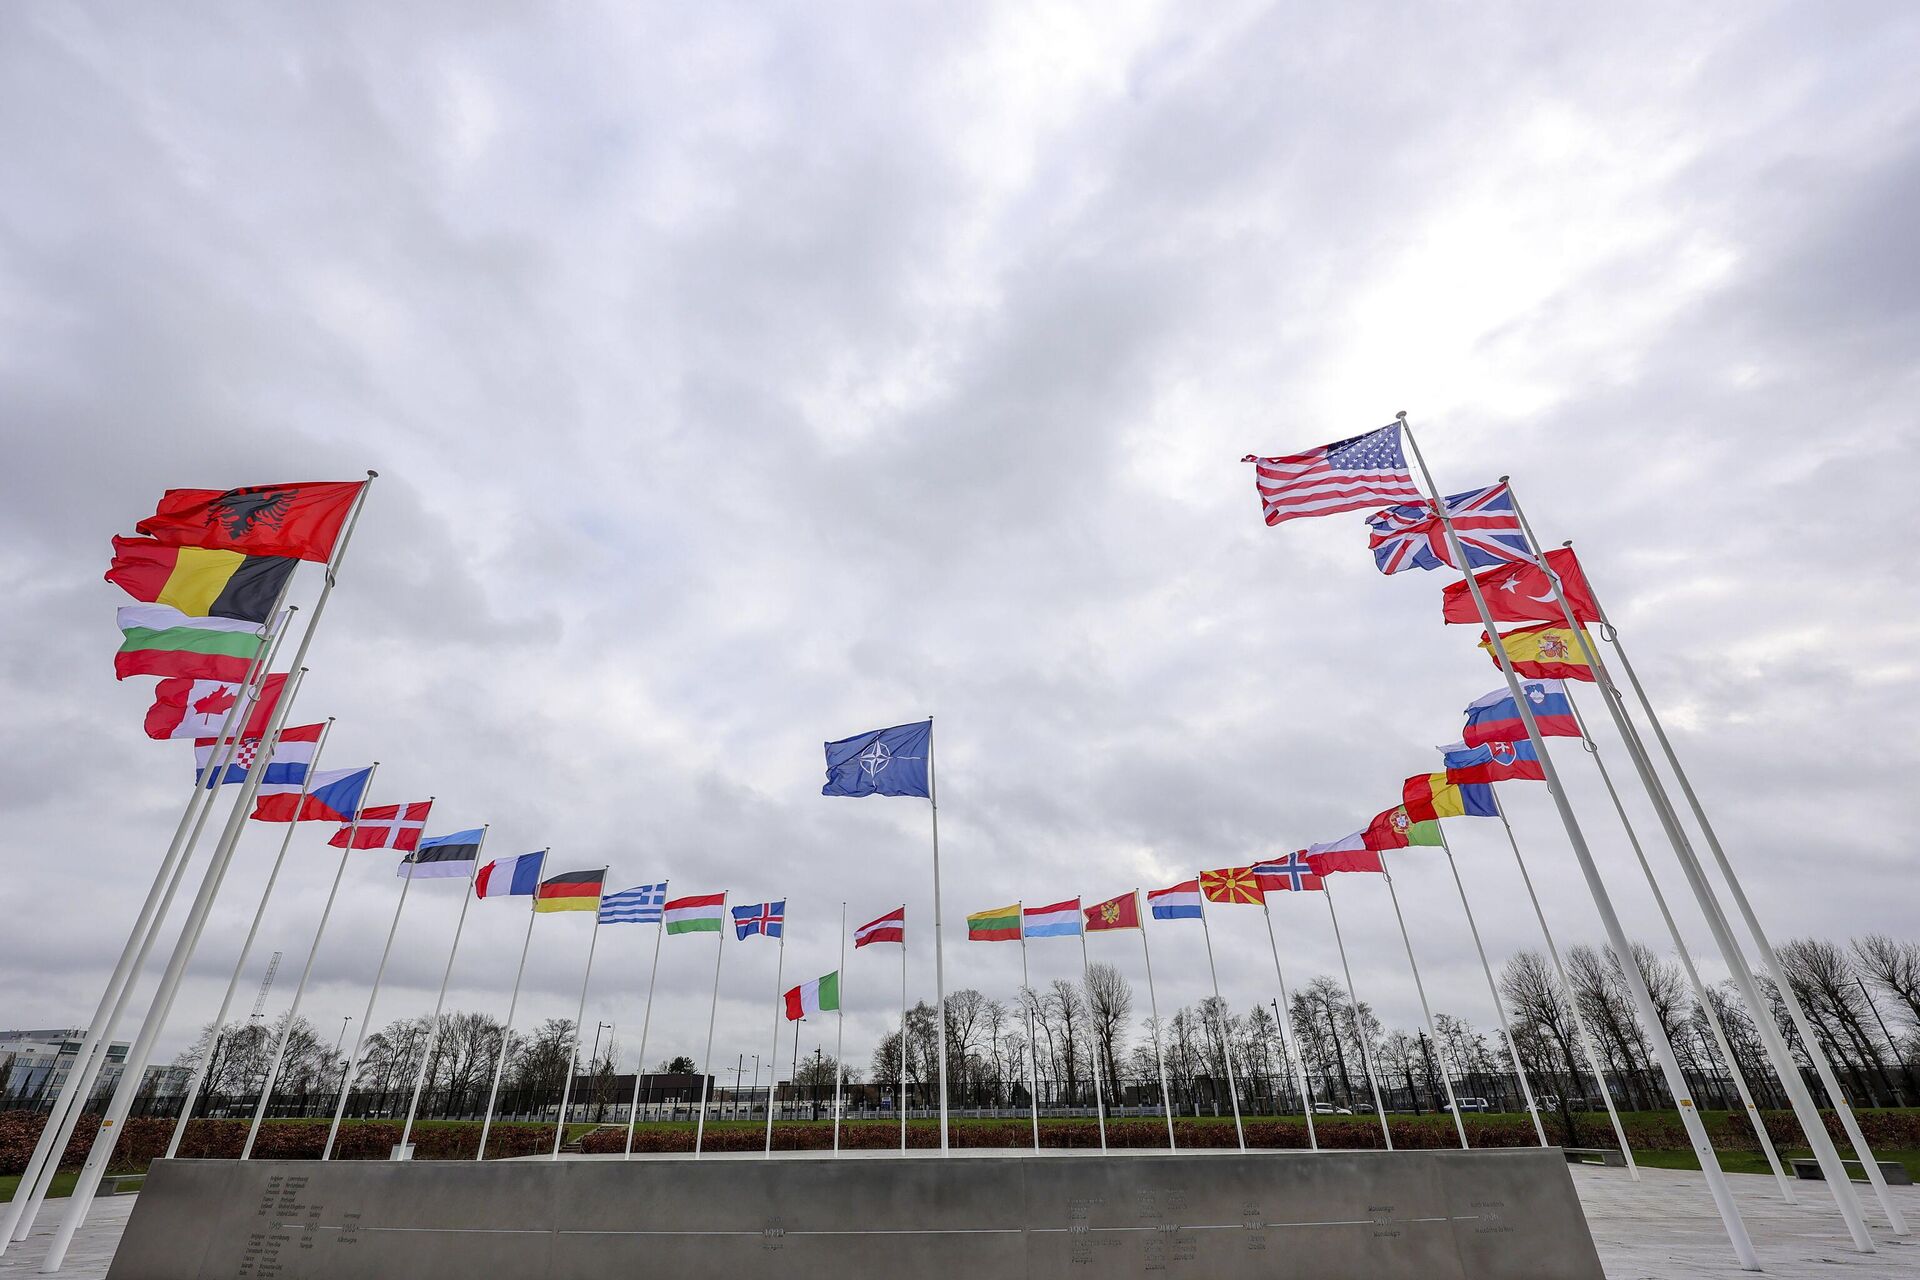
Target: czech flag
[(334, 796)]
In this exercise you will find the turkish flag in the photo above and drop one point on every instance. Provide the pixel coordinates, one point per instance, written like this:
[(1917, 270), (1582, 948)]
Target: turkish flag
[(301, 520), (1522, 593)]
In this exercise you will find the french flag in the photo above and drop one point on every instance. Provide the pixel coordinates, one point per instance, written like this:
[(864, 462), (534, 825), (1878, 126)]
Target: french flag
[(516, 877), (1061, 920), (334, 796), (1176, 902)]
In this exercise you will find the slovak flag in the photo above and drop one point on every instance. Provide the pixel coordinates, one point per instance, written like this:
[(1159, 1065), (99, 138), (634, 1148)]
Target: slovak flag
[(335, 795), (1494, 761), (387, 826), (292, 754), (510, 877), (1177, 902)]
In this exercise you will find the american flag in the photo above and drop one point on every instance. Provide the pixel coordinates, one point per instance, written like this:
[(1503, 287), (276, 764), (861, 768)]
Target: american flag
[(1411, 537), (387, 826), (1348, 475)]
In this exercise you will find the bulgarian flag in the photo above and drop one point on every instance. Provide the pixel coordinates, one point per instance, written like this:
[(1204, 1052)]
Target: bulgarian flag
[(822, 995), (700, 914), (162, 641)]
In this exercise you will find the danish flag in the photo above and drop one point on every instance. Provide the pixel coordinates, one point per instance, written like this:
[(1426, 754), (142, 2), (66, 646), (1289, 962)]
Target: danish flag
[(387, 826)]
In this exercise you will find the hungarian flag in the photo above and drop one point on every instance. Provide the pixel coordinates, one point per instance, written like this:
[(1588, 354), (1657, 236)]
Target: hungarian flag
[(1335, 860), (1430, 796), (700, 913), (1395, 828), (302, 520), (1122, 912), (891, 927), (1230, 884), (185, 708), (1494, 762), (571, 891), (332, 797), (1522, 593), (387, 826), (1545, 652), (199, 582), (1002, 924), (809, 999), (159, 640), (1496, 717)]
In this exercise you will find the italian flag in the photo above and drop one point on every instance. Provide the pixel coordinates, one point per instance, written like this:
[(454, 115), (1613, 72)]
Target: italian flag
[(700, 914), (822, 995)]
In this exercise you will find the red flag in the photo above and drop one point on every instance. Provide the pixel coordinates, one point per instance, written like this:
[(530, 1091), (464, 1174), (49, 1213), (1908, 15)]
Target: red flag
[(1122, 912), (1325, 864), (1388, 830), (188, 708), (891, 927), (1521, 593), (300, 520), (387, 826)]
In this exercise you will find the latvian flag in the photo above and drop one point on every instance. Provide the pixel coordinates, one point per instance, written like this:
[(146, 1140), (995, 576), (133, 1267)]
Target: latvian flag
[(891, 927), (387, 826), (292, 755), (333, 796)]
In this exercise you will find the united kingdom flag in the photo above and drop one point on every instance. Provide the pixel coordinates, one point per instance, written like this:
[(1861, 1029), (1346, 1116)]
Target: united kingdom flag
[(1411, 536), (765, 918)]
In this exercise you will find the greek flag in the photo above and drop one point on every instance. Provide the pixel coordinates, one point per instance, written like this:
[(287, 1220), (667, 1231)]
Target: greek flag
[(642, 904)]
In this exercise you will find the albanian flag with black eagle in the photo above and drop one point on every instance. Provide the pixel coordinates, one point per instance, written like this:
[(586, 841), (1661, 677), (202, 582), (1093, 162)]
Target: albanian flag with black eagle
[(302, 520)]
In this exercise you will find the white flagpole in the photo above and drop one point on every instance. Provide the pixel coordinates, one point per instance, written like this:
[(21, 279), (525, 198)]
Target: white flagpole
[(706, 1062), (70, 1102), (1359, 1023), (573, 1057), (1686, 960), (840, 1024), (300, 988), (1226, 1042), (134, 1069), (439, 1001), (1446, 1077), (513, 1003), (901, 1100), (246, 949), (1784, 1064), (1093, 1057), (1499, 1007), (366, 1019), (1603, 901), (779, 1007), (1288, 1039), (1033, 1058), (939, 952), (1153, 1007), (646, 1025)]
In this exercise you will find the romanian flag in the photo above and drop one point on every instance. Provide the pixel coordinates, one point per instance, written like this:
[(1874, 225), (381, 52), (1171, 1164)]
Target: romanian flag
[(1231, 884), (574, 891), (1545, 652), (198, 582), (1429, 796), (162, 641), (1002, 924)]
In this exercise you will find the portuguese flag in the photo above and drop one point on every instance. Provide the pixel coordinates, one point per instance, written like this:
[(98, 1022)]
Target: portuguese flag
[(199, 582), (1395, 828), (809, 999), (574, 891), (162, 641), (1002, 924)]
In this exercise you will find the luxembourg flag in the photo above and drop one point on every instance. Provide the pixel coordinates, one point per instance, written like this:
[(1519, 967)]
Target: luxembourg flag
[(1176, 902), (292, 755), (1061, 920), (516, 877), (335, 794)]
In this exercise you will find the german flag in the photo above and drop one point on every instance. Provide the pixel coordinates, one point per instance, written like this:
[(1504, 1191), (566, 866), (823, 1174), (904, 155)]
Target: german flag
[(198, 582), (574, 891)]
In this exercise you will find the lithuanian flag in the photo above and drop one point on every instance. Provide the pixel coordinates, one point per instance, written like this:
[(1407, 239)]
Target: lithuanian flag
[(1002, 924), (1545, 652), (574, 891), (198, 582), (162, 641)]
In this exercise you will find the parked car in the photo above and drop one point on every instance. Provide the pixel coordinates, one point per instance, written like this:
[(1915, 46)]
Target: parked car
[(1328, 1109), (1472, 1104)]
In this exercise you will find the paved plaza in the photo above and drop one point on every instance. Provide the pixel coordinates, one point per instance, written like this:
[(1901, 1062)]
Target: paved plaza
[(1662, 1228)]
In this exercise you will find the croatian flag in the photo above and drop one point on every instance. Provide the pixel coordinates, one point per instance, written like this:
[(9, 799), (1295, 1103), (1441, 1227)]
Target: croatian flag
[(515, 877), (292, 755), (335, 795), (1061, 920), (1178, 902)]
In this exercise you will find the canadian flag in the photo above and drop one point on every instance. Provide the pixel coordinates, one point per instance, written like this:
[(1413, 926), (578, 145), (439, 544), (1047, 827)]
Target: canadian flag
[(185, 708), (387, 826)]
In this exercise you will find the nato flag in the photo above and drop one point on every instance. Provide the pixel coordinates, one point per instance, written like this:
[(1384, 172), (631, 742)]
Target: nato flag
[(883, 762)]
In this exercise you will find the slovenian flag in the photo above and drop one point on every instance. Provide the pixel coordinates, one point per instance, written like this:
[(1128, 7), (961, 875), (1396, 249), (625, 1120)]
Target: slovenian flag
[(285, 772), (516, 877), (334, 796), (1176, 902), (1496, 718), (1061, 920)]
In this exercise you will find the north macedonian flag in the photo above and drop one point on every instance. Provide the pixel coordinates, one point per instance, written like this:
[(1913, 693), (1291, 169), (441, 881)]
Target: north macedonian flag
[(1002, 924), (159, 640), (198, 582), (1231, 884), (301, 520), (571, 891)]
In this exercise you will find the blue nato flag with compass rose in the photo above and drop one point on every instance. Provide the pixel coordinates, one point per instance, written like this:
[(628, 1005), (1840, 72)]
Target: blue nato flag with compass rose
[(881, 762)]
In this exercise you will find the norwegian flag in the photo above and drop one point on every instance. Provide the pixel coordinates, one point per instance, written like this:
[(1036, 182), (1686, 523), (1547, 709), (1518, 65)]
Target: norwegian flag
[(387, 826), (1412, 537), (1347, 475)]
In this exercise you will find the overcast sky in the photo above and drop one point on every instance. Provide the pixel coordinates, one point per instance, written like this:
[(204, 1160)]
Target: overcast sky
[(741, 377)]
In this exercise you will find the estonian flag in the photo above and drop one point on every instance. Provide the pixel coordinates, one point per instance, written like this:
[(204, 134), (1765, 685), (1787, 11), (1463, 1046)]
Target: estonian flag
[(444, 857)]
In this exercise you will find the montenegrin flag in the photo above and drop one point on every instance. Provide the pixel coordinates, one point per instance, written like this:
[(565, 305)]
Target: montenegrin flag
[(159, 640), (701, 913), (1060, 920), (198, 582), (1122, 912), (809, 999), (1545, 652), (1002, 924), (302, 520)]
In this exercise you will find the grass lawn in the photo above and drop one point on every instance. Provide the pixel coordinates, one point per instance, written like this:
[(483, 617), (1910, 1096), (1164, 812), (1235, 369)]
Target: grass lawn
[(1755, 1162), (62, 1184)]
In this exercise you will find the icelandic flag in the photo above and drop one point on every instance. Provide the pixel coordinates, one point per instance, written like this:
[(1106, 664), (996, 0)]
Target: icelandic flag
[(1495, 718), (335, 794), (1178, 902), (882, 762), (515, 877), (292, 755), (1061, 920), (1496, 761), (769, 919)]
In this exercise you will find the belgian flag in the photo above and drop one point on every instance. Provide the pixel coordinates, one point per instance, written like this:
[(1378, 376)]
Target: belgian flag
[(198, 582), (574, 891)]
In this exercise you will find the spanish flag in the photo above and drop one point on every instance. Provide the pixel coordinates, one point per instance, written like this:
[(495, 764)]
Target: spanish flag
[(1545, 652), (198, 582), (574, 891)]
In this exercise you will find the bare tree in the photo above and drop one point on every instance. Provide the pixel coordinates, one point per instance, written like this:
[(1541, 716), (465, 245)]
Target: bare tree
[(1895, 968), (1109, 1005), (1544, 1028)]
